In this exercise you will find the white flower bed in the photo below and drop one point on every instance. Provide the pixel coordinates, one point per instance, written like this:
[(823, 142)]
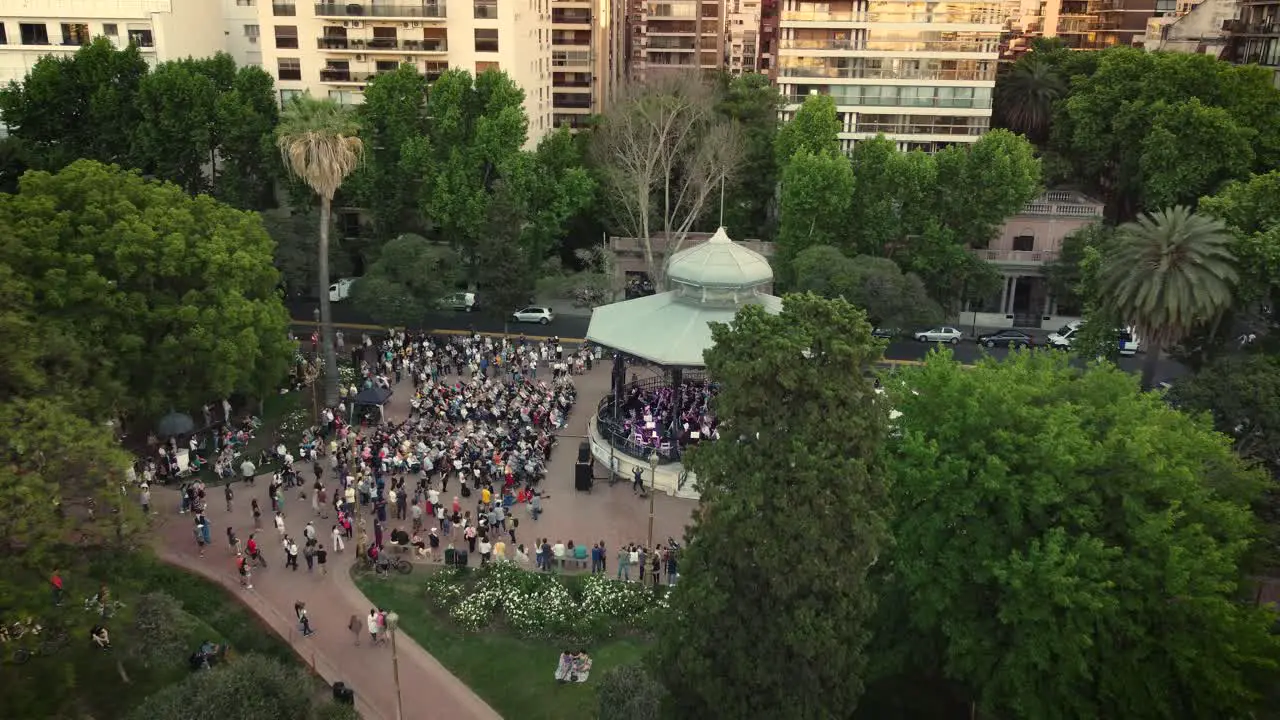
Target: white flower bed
[(541, 604)]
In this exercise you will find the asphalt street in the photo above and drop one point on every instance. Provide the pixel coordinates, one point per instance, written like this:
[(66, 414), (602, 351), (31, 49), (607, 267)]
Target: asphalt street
[(574, 327)]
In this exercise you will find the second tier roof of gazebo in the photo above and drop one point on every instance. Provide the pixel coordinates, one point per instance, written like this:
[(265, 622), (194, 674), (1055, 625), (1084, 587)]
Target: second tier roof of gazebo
[(709, 283)]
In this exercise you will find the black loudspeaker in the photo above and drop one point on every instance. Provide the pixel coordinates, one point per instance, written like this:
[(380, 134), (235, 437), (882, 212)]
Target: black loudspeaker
[(584, 451), (582, 476), (343, 695)]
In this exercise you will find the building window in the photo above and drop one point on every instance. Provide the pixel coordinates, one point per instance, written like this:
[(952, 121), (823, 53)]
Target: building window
[(385, 66), (75, 34), (246, 3), (287, 37), (289, 69), (251, 33), (485, 9), (110, 29), (283, 9), (486, 40), (288, 95), (34, 33), (141, 37), (1024, 243), (483, 65), (432, 70), (348, 220)]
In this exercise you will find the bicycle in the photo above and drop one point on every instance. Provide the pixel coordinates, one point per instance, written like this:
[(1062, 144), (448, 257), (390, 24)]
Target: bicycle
[(385, 566)]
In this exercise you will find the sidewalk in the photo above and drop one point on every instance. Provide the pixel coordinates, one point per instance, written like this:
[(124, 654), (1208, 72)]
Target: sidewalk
[(427, 689)]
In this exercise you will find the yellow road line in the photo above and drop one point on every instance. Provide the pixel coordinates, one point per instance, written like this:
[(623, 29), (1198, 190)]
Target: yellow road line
[(383, 328)]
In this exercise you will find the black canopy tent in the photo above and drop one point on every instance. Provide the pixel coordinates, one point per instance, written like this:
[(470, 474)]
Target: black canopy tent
[(371, 397)]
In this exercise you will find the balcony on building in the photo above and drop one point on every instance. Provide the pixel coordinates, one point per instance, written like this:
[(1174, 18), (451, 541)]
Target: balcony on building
[(570, 103), (579, 82), (860, 68), (897, 126), (904, 96), (572, 38), (571, 59), (385, 40), (426, 10), (573, 122), (570, 16)]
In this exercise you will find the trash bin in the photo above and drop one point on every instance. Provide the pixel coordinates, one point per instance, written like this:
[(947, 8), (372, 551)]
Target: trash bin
[(343, 695)]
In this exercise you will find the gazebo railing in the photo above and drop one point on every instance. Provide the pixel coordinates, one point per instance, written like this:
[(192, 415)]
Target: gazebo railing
[(610, 422)]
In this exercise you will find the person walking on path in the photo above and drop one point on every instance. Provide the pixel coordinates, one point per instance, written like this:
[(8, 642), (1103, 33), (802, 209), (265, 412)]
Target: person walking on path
[(338, 544), (374, 626), (227, 491), (242, 567), (356, 627), (257, 515), (304, 620), (291, 554), (322, 557)]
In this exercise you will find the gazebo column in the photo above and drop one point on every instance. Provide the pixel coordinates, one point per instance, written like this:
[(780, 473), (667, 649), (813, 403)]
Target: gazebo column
[(677, 378)]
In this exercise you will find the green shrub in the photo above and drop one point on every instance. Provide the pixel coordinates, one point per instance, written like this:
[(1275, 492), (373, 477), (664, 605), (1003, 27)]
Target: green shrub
[(166, 633), (628, 692)]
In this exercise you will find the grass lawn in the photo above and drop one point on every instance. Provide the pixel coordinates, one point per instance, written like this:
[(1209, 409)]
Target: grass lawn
[(512, 674), (84, 682)]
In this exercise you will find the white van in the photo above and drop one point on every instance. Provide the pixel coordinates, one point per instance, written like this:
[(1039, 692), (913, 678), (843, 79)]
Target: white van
[(461, 301), (341, 290), (1126, 337)]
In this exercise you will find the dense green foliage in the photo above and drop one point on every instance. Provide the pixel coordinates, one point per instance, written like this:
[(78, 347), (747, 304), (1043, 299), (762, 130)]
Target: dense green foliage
[(1094, 571), (773, 594), (156, 299)]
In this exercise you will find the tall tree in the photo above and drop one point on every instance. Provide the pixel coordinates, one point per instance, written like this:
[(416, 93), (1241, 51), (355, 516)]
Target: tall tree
[(248, 166), (1146, 130), (1251, 211), (775, 536), (816, 189), (177, 115), (893, 196), (1066, 546), (171, 300), (319, 144), (662, 152), (1025, 96), (752, 102), (891, 298), (477, 130), (83, 106), (1167, 273), (395, 128), (815, 128), (540, 193), (407, 281), (294, 233), (982, 184)]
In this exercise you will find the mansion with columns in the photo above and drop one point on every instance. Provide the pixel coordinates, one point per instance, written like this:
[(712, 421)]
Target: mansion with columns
[(1027, 242)]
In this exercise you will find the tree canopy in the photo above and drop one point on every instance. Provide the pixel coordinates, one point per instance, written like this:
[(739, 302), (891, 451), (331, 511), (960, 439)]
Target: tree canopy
[(792, 518), (163, 300), (1066, 546), (406, 282), (890, 298)]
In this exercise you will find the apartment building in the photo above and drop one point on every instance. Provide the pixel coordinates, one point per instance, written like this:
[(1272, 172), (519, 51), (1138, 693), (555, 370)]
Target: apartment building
[(1198, 26), (1254, 35), (162, 29), (742, 36), (766, 60), (241, 31), (588, 58), (334, 49), (1124, 22), (677, 35), (921, 72)]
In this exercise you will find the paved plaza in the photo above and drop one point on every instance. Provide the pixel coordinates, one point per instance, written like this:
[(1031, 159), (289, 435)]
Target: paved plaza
[(612, 514)]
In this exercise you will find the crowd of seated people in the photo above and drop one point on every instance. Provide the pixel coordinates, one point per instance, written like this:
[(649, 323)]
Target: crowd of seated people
[(661, 417)]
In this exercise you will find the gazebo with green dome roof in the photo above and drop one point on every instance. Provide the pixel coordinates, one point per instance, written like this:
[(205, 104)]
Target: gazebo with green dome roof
[(708, 283)]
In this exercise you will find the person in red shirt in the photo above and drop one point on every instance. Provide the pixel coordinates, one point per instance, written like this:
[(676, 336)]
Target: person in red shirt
[(55, 584)]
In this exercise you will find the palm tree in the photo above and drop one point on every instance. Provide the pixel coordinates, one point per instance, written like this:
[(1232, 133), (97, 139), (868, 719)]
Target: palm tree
[(319, 145), (1025, 97), (1168, 272)]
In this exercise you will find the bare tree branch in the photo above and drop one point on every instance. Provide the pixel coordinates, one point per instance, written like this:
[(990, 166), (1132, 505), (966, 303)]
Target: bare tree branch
[(663, 151)]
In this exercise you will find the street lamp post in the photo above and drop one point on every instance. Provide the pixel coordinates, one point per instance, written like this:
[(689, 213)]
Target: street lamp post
[(653, 490), (393, 622)]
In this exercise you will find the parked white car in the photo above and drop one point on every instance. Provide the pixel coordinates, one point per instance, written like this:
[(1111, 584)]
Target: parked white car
[(939, 335), (534, 314), (341, 290), (1125, 337)]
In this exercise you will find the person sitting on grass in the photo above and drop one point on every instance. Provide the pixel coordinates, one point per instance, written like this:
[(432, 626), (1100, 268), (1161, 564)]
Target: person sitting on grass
[(565, 668), (100, 637)]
